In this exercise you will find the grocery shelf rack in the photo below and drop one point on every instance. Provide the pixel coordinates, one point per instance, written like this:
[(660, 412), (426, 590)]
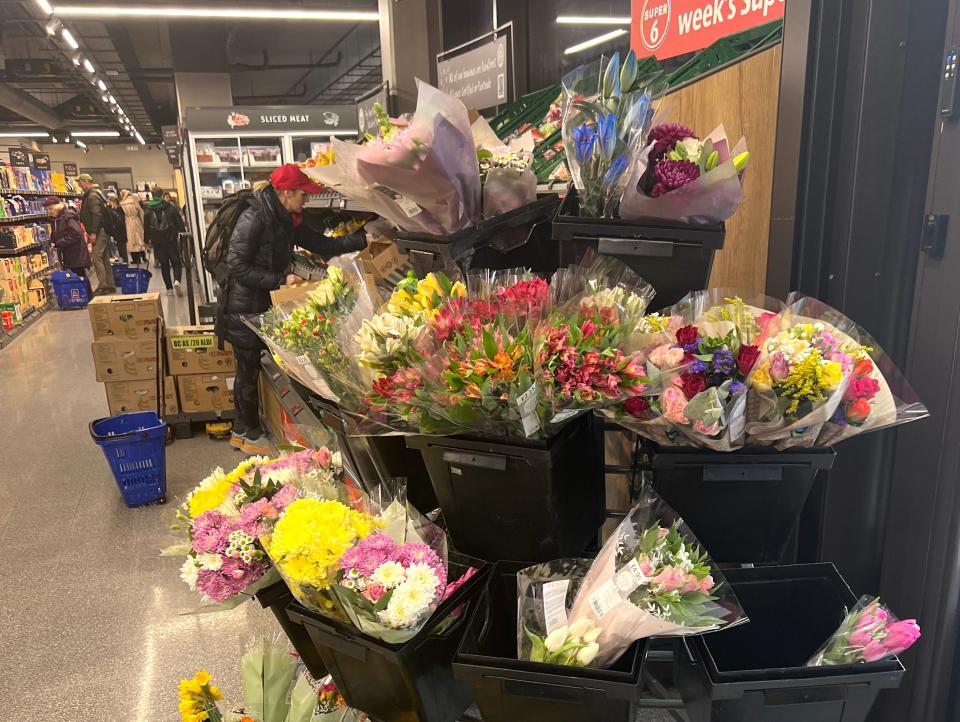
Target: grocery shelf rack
[(23, 250), (25, 218), (30, 318)]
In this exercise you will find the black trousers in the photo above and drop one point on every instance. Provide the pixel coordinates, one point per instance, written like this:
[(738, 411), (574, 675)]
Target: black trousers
[(168, 256), (246, 393)]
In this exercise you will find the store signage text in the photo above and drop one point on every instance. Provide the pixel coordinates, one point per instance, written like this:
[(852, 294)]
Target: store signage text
[(667, 28), (480, 76), (305, 117)]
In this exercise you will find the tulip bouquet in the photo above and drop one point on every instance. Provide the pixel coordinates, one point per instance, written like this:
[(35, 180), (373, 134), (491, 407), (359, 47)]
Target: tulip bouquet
[(869, 633), (651, 578), (607, 110), (224, 516), (679, 177)]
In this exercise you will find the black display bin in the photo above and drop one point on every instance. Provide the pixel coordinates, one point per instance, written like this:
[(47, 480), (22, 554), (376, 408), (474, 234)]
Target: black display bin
[(498, 242), (277, 598), (675, 258), (355, 452), (392, 458), (509, 690), (744, 506), (406, 682), (755, 673), (512, 499)]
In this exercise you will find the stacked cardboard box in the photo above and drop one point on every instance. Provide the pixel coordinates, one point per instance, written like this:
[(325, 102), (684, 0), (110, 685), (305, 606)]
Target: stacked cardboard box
[(126, 352), (204, 373)]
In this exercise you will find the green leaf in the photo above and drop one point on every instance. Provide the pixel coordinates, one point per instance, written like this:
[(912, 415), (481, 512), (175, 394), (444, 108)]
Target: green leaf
[(538, 652), (490, 347), (383, 602)]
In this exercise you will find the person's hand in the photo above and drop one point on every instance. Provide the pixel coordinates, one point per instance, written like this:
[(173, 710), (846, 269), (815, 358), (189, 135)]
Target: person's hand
[(89, 247), (293, 278)]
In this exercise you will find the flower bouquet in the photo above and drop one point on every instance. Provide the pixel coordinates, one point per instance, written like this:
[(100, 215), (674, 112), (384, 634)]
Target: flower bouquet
[(505, 176), (198, 699), (678, 177), (869, 633), (607, 110), (225, 514), (651, 578)]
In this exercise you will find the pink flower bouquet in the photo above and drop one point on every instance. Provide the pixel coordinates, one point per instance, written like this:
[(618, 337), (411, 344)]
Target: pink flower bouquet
[(869, 633)]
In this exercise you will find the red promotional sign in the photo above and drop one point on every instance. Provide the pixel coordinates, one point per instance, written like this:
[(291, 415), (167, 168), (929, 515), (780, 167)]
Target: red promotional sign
[(667, 28)]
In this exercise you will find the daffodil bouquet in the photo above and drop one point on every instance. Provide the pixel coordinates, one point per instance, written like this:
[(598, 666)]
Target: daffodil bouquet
[(198, 699), (607, 111)]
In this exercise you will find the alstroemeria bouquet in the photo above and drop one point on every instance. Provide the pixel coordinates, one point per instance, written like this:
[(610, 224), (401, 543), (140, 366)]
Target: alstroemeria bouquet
[(651, 578), (225, 515), (870, 632), (607, 110), (682, 178)]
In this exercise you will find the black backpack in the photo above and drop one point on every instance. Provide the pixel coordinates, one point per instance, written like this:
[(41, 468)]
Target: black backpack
[(108, 221), (219, 232)]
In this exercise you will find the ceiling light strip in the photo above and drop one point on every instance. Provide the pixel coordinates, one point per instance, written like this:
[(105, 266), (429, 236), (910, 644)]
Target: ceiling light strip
[(172, 12), (592, 42), (591, 20)]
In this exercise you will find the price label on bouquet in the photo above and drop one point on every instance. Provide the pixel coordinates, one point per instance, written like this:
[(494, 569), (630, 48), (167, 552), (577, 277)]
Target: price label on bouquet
[(527, 403), (605, 599), (667, 28), (555, 604)]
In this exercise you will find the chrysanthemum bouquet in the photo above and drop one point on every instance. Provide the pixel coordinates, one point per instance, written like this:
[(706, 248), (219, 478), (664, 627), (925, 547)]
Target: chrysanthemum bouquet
[(679, 177), (607, 110), (651, 578), (226, 514), (870, 632)]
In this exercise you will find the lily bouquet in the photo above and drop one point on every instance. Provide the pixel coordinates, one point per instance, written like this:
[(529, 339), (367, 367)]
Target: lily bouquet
[(607, 111), (869, 632), (679, 177), (224, 516), (651, 578)]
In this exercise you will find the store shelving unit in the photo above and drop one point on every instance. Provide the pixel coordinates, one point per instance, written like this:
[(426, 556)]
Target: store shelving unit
[(41, 194), (26, 218), (24, 250), (31, 316)]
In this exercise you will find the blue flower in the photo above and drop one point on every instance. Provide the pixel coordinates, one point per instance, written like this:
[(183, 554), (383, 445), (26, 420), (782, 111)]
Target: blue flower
[(584, 138), (616, 170), (607, 132)]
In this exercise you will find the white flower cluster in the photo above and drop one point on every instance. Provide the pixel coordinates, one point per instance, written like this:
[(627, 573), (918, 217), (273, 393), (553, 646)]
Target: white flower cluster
[(193, 565), (382, 337), (792, 345), (629, 302), (415, 590), (580, 640)]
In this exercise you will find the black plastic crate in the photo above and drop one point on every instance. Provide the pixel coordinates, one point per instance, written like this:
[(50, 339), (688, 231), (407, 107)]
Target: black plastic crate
[(528, 500), (675, 258), (508, 690), (500, 241), (392, 458), (406, 682), (755, 673), (353, 449), (277, 598), (744, 506)]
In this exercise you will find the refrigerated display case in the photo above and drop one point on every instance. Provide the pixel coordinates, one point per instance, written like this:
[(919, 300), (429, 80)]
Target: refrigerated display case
[(229, 149)]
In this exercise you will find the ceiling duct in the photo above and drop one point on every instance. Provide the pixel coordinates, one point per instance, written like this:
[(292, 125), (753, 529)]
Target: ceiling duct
[(22, 103)]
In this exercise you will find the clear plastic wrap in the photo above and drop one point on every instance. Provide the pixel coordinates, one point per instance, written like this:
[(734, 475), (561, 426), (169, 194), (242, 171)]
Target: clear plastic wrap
[(713, 196), (505, 175), (267, 671), (651, 578), (870, 632)]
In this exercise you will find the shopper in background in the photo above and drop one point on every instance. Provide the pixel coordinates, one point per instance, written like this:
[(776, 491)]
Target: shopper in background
[(133, 223), (258, 261), (163, 225), (120, 237), (98, 240), (68, 237)]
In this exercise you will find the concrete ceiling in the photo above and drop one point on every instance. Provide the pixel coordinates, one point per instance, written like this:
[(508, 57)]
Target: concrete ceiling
[(269, 62)]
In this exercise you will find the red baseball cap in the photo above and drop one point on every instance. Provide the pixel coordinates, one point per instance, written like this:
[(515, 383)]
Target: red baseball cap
[(289, 177)]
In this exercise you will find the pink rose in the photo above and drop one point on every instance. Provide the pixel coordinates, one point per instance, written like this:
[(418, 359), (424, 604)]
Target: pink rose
[(701, 428), (647, 568), (670, 579), (323, 456), (692, 584), (374, 592), (674, 402), (901, 636), (706, 584), (779, 369), (666, 356)]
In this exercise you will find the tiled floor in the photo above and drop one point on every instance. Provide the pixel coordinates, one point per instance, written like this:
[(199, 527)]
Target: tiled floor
[(94, 624)]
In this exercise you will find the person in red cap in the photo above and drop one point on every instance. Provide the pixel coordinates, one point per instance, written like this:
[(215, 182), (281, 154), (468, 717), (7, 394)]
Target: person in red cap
[(259, 260)]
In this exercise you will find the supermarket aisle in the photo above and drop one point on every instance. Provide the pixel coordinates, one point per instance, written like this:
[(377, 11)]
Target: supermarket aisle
[(92, 617)]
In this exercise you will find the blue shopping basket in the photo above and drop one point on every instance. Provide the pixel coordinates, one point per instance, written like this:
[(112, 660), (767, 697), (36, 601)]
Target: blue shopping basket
[(118, 268), (134, 444), (134, 280), (70, 289)]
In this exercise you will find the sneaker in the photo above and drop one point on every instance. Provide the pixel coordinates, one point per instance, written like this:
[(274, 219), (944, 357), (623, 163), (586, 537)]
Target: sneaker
[(178, 289), (236, 440), (256, 447), (169, 291)]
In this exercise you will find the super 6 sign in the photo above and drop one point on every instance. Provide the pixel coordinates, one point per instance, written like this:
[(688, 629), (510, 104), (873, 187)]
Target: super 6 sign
[(667, 28)]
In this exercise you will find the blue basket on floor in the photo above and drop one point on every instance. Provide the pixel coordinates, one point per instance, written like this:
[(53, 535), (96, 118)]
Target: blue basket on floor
[(118, 268), (134, 280), (134, 444), (70, 289)]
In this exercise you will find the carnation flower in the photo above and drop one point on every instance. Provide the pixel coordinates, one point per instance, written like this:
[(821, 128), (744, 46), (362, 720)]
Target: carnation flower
[(210, 532), (665, 137), (672, 174), (233, 577)]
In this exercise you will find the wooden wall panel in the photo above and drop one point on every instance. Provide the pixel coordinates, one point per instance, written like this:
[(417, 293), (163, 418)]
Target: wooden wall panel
[(744, 98)]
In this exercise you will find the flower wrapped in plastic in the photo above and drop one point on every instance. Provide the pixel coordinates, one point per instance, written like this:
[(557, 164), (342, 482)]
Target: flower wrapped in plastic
[(198, 699), (714, 347), (224, 516), (267, 673), (869, 632), (607, 111), (651, 578), (679, 177), (809, 354)]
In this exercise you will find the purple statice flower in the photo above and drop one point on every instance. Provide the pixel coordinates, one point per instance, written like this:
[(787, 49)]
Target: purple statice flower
[(698, 366), (665, 138), (723, 361), (210, 532), (230, 579), (839, 418), (370, 553), (672, 174), (736, 387)]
